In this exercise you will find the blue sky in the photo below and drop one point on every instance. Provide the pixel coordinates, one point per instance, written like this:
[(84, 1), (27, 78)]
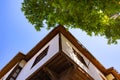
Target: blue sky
[(17, 34)]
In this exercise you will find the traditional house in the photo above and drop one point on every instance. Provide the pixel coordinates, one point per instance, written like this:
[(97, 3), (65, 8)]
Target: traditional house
[(59, 56)]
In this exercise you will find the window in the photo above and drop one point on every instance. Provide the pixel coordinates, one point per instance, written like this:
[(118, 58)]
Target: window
[(12, 79), (13, 75), (80, 57), (40, 56)]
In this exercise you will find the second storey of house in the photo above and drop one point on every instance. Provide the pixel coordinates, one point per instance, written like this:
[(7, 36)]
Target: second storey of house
[(59, 53)]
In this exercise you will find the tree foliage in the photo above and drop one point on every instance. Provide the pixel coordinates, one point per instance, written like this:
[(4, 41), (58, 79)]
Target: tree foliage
[(98, 17)]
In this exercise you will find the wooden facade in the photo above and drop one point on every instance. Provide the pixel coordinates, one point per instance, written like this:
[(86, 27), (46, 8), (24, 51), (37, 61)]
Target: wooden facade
[(59, 56)]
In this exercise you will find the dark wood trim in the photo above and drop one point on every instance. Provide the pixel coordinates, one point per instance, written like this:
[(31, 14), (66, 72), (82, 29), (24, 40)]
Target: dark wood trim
[(42, 66), (44, 41), (51, 73), (80, 58), (75, 64), (54, 75), (54, 32), (83, 50), (12, 63), (60, 42), (113, 72), (14, 71), (41, 56)]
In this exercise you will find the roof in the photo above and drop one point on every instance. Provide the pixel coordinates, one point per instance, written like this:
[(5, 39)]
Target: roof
[(12, 63), (71, 38)]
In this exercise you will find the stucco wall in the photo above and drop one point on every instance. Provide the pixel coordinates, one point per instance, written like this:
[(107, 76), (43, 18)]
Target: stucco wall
[(91, 69), (53, 49)]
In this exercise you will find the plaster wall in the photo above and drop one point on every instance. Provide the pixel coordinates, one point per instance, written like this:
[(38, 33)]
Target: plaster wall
[(28, 69), (68, 47)]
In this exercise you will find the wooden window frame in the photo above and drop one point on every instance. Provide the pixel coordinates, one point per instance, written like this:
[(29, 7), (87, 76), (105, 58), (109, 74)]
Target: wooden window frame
[(80, 57), (13, 72), (40, 56)]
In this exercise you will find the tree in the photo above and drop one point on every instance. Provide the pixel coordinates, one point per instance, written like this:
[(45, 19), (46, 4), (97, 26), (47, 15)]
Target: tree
[(95, 17)]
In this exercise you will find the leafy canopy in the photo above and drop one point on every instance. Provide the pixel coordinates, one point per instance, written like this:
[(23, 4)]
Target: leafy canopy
[(98, 17)]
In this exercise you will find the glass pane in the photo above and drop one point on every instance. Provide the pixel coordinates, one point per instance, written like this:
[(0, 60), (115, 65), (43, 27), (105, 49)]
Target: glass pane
[(11, 79), (40, 56), (15, 75), (18, 70)]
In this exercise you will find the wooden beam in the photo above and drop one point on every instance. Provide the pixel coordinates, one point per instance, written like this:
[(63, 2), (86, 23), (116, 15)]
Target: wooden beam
[(52, 74)]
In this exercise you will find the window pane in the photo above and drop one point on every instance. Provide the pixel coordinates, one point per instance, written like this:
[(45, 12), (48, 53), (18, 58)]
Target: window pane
[(11, 79), (40, 56), (79, 57), (18, 70), (15, 75)]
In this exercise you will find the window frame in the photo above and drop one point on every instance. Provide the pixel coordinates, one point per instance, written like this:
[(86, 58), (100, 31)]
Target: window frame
[(40, 56), (79, 57), (11, 75)]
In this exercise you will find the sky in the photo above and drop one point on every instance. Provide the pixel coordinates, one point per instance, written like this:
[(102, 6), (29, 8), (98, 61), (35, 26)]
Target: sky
[(18, 35)]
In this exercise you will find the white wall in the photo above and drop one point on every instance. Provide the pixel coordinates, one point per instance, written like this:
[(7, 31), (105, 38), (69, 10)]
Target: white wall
[(53, 49), (91, 69)]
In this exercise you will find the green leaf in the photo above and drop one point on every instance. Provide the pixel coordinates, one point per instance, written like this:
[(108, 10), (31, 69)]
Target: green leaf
[(93, 17)]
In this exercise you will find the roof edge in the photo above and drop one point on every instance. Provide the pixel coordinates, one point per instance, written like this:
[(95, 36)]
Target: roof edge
[(11, 63), (46, 39)]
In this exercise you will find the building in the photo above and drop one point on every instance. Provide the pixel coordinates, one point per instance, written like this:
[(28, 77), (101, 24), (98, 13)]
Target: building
[(59, 56)]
